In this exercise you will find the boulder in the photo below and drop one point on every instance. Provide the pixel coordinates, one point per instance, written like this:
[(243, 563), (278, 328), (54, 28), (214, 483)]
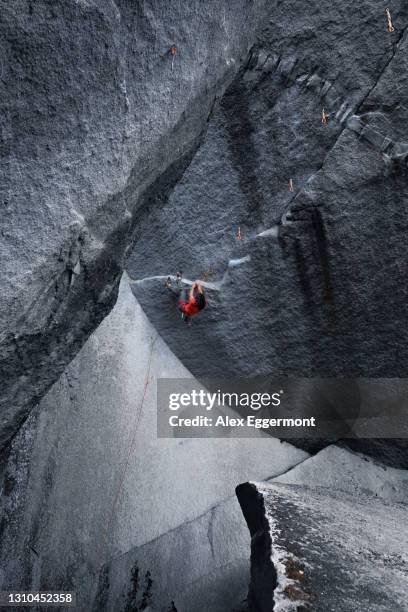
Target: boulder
[(324, 549)]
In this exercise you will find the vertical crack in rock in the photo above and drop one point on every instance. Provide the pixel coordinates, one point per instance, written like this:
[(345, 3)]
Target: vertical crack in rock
[(396, 48), (238, 121), (210, 534)]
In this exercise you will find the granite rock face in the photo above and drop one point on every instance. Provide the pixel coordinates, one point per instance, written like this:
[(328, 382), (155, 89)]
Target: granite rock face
[(317, 283), (98, 119), (259, 146), (202, 565), (111, 144), (87, 481), (323, 549)]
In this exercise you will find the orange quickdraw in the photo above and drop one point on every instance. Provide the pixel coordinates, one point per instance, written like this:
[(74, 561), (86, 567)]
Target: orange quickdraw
[(173, 51)]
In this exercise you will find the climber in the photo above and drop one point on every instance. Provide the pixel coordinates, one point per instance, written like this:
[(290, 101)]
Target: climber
[(190, 303)]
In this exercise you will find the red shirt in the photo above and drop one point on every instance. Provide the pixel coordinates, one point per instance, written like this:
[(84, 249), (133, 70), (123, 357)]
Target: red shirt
[(189, 308)]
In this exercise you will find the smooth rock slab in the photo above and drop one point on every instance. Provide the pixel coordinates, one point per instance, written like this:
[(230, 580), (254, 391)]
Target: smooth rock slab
[(341, 470), (87, 479), (202, 565), (210, 576)]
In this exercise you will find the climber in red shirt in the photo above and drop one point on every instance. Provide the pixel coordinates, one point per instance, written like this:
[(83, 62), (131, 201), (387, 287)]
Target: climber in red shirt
[(196, 300), (191, 302)]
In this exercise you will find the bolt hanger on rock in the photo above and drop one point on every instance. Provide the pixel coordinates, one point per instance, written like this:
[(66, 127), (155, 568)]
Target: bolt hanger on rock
[(291, 188), (390, 26), (325, 117), (239, 235)]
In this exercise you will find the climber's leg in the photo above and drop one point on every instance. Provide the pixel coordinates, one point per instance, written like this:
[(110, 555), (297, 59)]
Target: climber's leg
[(183, 297)]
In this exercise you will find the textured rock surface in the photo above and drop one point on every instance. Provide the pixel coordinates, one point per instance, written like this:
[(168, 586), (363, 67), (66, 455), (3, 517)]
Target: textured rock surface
[(95, 123), (322, 549), (214, 579), (88, 480), (202, 565), (317, 285), (99, 124), (342, 470)]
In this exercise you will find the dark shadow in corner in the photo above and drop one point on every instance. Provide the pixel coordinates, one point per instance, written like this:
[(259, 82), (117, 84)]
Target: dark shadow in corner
[(239, 131)]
